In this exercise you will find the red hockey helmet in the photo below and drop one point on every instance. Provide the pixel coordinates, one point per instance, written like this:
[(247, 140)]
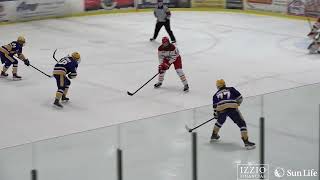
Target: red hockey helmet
[(165, 41)]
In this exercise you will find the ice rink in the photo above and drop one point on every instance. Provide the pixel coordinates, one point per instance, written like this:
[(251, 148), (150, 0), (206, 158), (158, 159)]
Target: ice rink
[(256, 54)]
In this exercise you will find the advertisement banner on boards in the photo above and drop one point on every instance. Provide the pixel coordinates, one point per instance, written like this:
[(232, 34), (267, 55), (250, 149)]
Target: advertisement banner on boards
[(29, 9), (234, 4), (107, 4), (170, 3), (310, 8), (7, 10), (209, 3), (267, 5)]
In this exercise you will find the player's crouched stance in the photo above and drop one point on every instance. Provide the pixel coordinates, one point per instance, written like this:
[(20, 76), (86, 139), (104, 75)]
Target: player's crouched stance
[(315, 46), (65, 70), (169, 54), (314, 30), (225, 104), (6, 55)]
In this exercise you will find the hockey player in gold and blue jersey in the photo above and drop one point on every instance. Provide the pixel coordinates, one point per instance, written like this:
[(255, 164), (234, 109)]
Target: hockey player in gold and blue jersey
[(64, 70), (7, 53), (225, 104)]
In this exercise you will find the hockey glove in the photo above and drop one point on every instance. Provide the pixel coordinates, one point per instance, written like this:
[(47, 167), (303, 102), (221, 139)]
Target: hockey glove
[(215, 114), (26, 62), (165, 65), (160, 70), (70, 76)]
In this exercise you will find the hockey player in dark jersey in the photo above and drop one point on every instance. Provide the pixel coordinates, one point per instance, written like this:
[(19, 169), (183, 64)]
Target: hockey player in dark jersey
[(64, 70), (6, 54), (225, 104)]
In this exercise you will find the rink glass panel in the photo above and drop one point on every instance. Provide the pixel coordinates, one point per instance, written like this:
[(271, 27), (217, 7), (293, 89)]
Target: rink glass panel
[(160, 147), (82, 156), (292, 129), (219, 159), (157, 148), (16, 162)]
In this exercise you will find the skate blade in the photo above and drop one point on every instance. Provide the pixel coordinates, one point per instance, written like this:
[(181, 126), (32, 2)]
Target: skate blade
[(250, 147), (16, 79), (214, 140), (64, 101), (57, 107)]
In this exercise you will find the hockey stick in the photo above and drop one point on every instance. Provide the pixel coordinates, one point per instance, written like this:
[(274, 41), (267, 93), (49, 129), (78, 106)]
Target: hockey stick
[(54, 55), (40, 71), (190, 130), (36, 69), (131, 94)]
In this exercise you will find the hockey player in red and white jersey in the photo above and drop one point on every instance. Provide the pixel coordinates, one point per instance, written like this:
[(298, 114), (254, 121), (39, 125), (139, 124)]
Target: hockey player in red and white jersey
[(315, 30), (169, 54)]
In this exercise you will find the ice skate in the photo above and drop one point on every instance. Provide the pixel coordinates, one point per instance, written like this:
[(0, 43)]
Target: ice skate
[(152, 39), (16, 77), (3, 74), (186, 88), (248, 145), (157, 85), (57, 103), (64, 98), (214, 137)]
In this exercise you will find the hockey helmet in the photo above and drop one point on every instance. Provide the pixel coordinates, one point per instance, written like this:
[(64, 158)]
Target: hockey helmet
[(165, 41), (220, 83), (76, 56), (21, 40)]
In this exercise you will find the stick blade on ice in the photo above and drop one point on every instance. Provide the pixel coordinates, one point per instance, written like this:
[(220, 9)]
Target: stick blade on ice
[(187, 128)]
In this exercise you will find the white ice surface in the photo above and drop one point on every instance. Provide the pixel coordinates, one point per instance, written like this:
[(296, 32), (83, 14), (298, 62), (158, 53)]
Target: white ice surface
[(256, 54)]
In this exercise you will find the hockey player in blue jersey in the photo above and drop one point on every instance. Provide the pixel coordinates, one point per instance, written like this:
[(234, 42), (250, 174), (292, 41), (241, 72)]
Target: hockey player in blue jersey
[(64, 70), (225, 104), (6, 54)]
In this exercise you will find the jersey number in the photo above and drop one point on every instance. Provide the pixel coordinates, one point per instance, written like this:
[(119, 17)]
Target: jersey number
[(224, 94), (64, 61), (13, 45)]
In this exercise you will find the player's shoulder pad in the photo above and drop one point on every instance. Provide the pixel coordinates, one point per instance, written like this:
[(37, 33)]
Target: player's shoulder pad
[(215, 94), (234, 90), (160, 48), (172, 47)]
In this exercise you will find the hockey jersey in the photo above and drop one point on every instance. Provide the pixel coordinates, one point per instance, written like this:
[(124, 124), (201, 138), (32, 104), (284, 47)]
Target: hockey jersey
[(11, 49), (65, 66), (170, 53), (227, 97)]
